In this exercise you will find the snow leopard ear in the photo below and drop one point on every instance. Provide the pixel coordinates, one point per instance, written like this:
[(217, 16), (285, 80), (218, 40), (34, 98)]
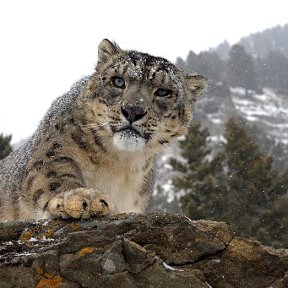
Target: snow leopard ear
[(106, 50), (197, 85)]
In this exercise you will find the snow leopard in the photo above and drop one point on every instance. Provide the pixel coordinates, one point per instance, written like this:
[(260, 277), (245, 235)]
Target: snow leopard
[(93, 153)]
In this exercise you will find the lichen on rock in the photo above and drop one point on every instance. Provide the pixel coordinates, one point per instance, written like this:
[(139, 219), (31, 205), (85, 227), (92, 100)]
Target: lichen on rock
[(153, 250)]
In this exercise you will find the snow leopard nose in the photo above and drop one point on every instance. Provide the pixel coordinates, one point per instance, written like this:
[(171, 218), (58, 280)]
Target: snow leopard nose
[(133, 113)]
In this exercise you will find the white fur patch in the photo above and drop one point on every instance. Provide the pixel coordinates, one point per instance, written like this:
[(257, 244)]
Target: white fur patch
[(129, 142)]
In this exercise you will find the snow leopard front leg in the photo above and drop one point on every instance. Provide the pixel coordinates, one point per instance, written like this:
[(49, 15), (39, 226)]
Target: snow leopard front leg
[(53, 188)]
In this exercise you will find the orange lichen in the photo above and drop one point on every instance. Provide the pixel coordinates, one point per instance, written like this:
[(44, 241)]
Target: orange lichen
[(26, 236), (86, 250), (51, 282), (48, 280), (74, 226), (39, 271), (49, 233)]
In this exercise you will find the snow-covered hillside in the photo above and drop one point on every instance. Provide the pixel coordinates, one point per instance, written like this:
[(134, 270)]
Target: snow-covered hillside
[(268, 110)]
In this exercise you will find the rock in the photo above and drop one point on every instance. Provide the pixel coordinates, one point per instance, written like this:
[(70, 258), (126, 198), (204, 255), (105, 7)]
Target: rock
[(153, 250)]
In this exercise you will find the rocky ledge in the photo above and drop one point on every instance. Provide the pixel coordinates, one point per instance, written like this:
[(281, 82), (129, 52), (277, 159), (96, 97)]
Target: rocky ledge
[(154, 250)]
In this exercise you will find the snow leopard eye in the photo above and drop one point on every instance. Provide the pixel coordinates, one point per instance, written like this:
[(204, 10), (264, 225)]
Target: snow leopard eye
[(161, 92), (118, 82)]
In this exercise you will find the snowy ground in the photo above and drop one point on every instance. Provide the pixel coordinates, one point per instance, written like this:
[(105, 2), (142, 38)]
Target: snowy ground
[(268, 110)]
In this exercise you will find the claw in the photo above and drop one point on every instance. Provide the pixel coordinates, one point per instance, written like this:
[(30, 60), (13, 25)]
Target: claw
[(103, 202)]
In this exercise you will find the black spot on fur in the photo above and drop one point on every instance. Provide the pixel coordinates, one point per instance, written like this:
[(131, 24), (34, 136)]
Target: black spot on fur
[(72, 121), (51, 174), (30, 182), (163, 142), (37, 194), (60, 127), (66, 160), (38, 165), (101, 100), (79, 140), (54, 186), (56, 146), (113, 127), (50, 153), (98, 142), (45, 206), (67, 175)]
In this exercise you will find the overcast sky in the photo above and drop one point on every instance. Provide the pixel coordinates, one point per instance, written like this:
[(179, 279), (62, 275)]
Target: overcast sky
[(46, 46)]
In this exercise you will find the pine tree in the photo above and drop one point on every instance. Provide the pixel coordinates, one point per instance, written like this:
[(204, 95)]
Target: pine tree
[(198, 176), (276, 71), (272, 226), (251, 177), (210, 65), (223, 50), (241, 70), (237, 185), (5, 146)]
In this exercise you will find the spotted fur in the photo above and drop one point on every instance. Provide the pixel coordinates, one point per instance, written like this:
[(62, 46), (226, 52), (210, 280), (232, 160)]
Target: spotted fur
[(93, 152)]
